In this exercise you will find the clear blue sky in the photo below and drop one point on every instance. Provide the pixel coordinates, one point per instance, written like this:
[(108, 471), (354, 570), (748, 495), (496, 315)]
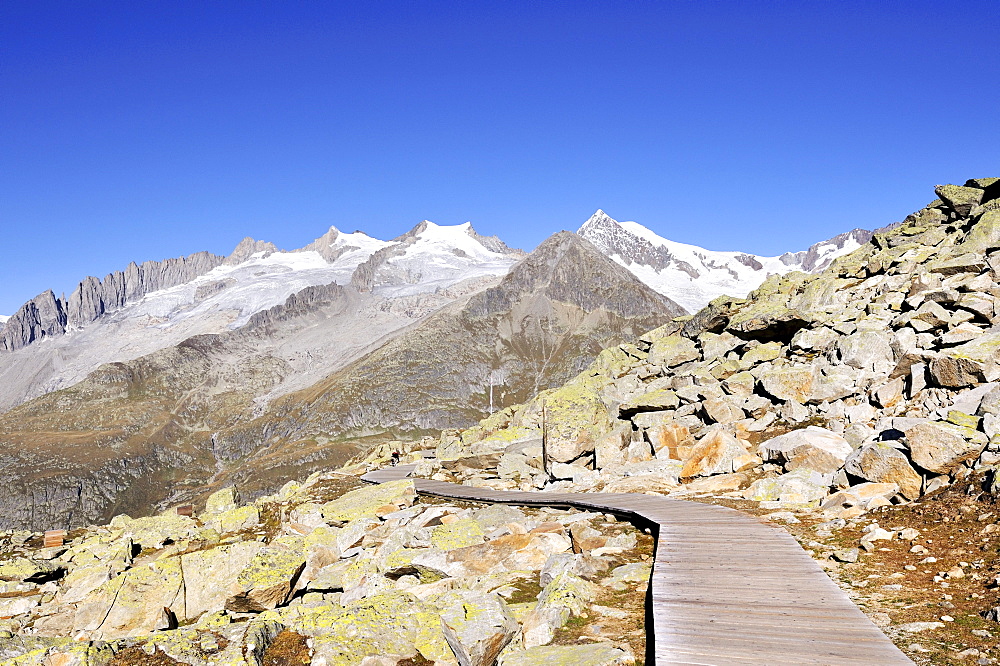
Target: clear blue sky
[(145, 130)]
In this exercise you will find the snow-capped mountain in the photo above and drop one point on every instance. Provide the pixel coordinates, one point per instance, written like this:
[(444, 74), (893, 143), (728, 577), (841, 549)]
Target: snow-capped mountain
[(4, 318), (54, 342), (260, 281), (432, 256), (693, 276)]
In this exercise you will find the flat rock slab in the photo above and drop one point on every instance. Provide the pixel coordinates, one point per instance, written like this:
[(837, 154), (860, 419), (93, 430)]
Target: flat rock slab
[(726, 587)]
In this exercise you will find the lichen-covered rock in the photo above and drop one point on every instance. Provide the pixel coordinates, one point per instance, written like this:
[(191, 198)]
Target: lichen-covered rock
[(24, 569), (512, 552), (610, 448), (234, 520), (142, 600), (222, 500), (565, 596), (477, 626), (210, 575), (941, 447), (852, 501), (724, 409), (985, 235), (65, 653), (459, 534), (153, 531), (768, 320), (393, 623), (368, 502), (81, 581), (717, 345), (800, 487), (959, 199), (788, 383), (11, 605), (634, 572), (673, 350), (576, 417), (215, 640), (654, 400), (968, 364), (814, 339), (594, 654), (269, 578), (868, 350), (761, 353)]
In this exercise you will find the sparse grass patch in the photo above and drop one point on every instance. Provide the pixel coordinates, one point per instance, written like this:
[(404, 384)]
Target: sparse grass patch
[(287, 649), (134, 656)]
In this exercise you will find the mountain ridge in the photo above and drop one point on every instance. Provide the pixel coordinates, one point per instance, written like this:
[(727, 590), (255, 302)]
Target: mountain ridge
[(47, 315), (694, 276)]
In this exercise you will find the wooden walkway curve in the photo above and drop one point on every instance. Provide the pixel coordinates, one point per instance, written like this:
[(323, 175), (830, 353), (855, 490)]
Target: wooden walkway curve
[(726, 587)]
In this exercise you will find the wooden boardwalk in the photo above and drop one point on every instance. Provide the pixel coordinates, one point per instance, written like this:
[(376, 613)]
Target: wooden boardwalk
[(726, 587)]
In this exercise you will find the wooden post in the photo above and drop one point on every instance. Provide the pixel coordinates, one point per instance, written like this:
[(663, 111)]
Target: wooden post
[(54, 538)]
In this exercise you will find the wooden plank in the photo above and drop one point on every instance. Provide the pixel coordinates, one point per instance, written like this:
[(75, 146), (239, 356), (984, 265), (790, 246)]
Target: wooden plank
[(727, 588), (53, 538)]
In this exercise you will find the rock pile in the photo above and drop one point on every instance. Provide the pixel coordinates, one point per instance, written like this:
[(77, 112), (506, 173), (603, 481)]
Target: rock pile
[(873, 382), (368, 576)]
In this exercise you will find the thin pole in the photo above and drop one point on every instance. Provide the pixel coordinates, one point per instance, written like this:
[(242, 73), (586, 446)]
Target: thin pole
[(545, 444)]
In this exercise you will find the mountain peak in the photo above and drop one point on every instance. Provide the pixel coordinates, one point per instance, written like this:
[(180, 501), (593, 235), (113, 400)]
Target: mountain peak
[(327, 245), (571, 269), (598, 220), (248, 247), (434, 254)]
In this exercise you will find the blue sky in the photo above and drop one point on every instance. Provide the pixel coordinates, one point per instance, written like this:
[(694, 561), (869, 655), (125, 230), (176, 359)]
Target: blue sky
[(134, 131)]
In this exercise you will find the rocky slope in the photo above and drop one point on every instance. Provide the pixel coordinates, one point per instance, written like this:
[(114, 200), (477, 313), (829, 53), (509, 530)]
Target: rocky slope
[(329, 573), (693, 276), (171, 424), (882, 369)]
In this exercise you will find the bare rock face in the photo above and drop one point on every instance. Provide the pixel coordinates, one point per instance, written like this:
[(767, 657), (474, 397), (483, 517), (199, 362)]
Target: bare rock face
[(93, 297), (248, 247), (46, 316), (43, 316)]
